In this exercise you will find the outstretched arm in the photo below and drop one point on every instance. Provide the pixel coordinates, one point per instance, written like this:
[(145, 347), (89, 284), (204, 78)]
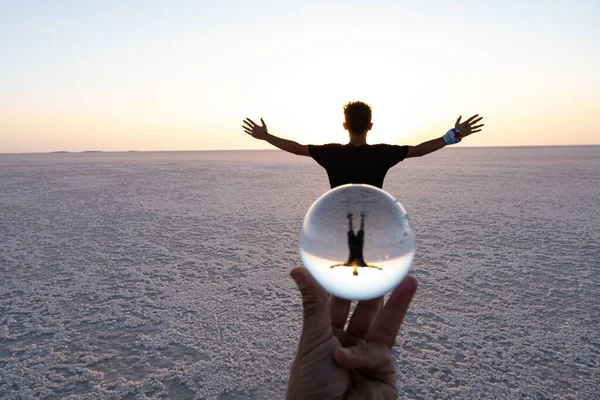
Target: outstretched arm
[(261, 133), (426, 147), (466, 128)]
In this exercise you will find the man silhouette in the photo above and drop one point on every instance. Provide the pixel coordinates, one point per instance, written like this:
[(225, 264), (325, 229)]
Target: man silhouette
[(356, 243), (357, 161)]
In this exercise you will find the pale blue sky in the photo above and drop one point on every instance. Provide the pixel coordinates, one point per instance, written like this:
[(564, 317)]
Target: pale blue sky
[(181, 75)]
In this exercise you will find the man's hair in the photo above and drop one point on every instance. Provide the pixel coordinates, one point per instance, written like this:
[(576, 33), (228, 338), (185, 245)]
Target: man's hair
[(358, 116)]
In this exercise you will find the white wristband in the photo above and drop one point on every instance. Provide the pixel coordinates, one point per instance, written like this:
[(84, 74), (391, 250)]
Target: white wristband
[(450, 137)]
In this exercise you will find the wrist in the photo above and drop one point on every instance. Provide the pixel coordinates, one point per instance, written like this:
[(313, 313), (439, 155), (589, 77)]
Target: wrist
[(453, 136)]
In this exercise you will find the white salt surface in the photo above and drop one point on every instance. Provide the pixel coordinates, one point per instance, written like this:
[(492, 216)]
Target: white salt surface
[(165, 275)]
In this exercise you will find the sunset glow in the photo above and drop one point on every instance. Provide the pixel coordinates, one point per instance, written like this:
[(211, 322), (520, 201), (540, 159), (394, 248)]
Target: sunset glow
[(182, 75)]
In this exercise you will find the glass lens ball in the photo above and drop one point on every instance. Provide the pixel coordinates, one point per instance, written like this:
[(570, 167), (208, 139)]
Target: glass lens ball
[(357, 242)]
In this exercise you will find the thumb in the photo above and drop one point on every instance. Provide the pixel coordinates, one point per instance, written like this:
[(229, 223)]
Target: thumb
[(458, 121), (263, 122), (316, 325)]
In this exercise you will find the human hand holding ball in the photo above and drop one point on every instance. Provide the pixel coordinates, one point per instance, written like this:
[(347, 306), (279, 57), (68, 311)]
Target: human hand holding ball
[(333, 361)]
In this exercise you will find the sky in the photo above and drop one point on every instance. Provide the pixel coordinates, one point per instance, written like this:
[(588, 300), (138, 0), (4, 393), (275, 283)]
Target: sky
[(182, 75)]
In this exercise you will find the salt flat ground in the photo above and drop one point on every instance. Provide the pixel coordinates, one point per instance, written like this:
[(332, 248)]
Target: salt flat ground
[(165, 275)]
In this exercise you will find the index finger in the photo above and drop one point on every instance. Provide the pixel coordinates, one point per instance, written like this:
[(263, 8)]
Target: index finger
[(388, 321), (363, 316)]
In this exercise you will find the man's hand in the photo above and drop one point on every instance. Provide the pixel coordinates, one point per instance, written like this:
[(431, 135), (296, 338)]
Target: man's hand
[(261, 132), (353, 363), (254, 130), (468, 127)]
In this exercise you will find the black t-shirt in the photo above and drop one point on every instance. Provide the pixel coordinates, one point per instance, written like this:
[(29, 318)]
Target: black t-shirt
[(355, 244), (346, 163)]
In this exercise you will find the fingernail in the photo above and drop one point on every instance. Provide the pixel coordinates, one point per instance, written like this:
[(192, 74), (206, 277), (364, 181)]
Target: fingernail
[(346, 351), (300, 279)]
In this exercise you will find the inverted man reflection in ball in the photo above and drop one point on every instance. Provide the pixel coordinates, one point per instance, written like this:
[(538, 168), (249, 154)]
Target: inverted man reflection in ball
[(355, 244)]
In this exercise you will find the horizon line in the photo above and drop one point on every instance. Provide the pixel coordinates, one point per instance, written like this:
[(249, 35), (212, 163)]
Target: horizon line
[(274, 149)]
